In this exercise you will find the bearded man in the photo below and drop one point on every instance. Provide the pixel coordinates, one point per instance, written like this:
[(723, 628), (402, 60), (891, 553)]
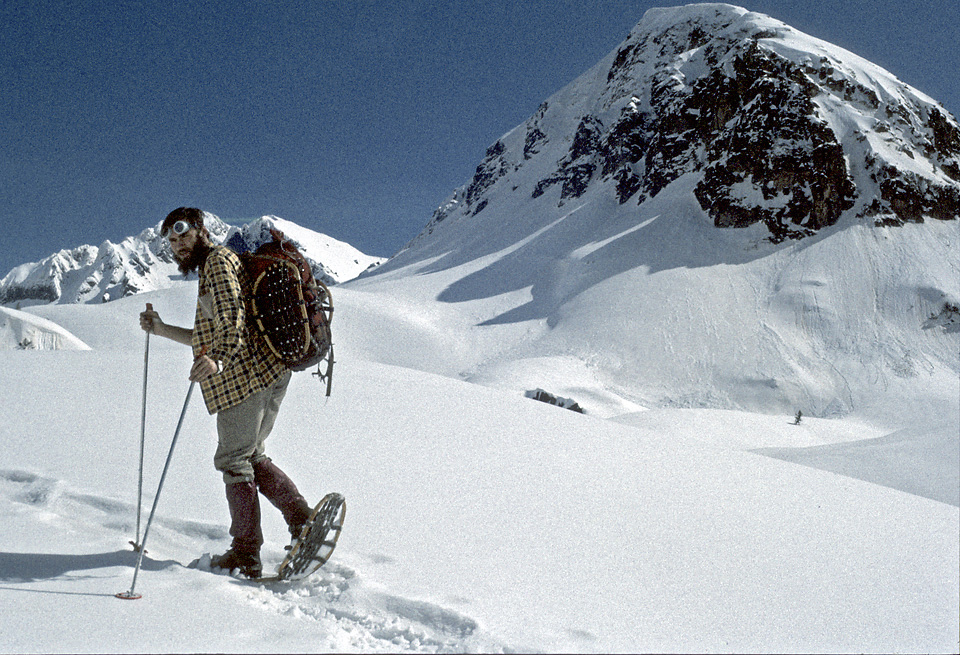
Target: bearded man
[(243, 383)]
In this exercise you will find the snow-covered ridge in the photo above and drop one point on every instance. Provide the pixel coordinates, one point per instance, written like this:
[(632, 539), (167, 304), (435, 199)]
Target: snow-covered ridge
[(332, 261), (145, 263)]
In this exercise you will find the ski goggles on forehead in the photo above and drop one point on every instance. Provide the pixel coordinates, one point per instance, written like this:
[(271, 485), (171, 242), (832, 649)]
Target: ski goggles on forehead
[(178, 228)]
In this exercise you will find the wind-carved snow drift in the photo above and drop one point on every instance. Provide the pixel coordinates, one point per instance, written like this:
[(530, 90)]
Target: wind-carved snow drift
[(723, 212), (146, 263), (25, 331)]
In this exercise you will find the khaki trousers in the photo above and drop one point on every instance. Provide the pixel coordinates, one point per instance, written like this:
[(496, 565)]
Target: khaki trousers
[(243, 428)]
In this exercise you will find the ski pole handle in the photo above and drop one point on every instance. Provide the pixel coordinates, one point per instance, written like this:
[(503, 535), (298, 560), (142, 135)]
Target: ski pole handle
[(147, 327)]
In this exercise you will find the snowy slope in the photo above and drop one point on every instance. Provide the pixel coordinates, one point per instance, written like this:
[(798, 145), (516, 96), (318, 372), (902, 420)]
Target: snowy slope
[(478, 520), (662, 310)]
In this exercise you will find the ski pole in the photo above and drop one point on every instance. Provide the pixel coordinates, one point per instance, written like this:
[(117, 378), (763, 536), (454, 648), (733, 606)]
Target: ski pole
[(143, 426), (132, 595)]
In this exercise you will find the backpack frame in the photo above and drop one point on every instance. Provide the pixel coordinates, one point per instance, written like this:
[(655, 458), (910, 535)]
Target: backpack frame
[(288, 307)]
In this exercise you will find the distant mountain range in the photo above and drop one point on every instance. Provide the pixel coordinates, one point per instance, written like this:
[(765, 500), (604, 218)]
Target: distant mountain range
[(145, 263)]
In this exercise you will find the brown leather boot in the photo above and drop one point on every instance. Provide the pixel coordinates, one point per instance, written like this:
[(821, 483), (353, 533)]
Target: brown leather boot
[(248, 565), (280, 490), (244, 506)]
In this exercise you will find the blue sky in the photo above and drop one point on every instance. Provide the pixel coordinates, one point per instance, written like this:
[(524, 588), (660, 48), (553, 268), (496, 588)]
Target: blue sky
[(355, 119)]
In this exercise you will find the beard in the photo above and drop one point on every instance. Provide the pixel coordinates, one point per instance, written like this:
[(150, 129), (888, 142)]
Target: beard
[(194, 259)]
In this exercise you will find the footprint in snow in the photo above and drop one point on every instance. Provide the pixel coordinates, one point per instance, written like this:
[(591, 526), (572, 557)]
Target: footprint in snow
[(29, 488), (338, 597)]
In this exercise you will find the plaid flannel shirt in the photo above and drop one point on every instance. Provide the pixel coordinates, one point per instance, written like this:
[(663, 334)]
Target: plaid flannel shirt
[(246, 363)]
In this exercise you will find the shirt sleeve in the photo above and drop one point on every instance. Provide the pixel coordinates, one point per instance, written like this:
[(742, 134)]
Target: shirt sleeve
[(228, 312)]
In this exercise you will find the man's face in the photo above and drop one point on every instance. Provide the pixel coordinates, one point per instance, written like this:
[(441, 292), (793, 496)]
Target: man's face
[(189, 248), (183, 244)]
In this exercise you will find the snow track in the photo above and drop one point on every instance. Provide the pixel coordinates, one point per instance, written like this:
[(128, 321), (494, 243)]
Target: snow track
[(342, 610), (341, 603)]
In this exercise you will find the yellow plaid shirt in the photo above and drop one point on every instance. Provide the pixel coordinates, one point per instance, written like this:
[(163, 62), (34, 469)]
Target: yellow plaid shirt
[(246, 364)]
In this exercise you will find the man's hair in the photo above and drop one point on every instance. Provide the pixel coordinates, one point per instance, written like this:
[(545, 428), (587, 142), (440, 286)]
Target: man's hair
[(191, 215)]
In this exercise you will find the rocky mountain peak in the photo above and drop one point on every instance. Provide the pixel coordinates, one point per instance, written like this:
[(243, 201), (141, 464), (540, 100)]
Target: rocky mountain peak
[(780, 129)]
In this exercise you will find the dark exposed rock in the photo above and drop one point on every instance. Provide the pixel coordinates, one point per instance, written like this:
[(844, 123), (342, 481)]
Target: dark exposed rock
[(576, 169), (906, 198), (534, 138), (40, 293), (550, 399), (789, 157), (492, 168), (948, 318), (946, 143), (623, 151)]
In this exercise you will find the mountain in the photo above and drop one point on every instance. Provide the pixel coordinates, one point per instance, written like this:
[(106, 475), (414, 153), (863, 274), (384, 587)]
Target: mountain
[(774, 212), (779, 128), (145, 263), (661, 519)]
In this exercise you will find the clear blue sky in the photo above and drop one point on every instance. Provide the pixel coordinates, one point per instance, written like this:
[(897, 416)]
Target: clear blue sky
[(353, 118)]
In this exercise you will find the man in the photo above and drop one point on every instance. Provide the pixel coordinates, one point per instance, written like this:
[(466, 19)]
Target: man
[(243, 383)]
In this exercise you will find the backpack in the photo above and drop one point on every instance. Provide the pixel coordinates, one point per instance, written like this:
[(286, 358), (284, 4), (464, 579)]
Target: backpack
[(288, 307)]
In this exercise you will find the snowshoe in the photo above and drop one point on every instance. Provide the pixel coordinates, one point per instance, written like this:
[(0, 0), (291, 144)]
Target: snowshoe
[(317, 539)]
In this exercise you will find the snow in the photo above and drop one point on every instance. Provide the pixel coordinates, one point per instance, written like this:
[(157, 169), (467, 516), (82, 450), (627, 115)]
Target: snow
[(685, 511), (25, 331), (337, 260), (477, 519)]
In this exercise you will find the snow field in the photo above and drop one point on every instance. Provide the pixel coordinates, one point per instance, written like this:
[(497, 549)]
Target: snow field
[(477, 520)]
